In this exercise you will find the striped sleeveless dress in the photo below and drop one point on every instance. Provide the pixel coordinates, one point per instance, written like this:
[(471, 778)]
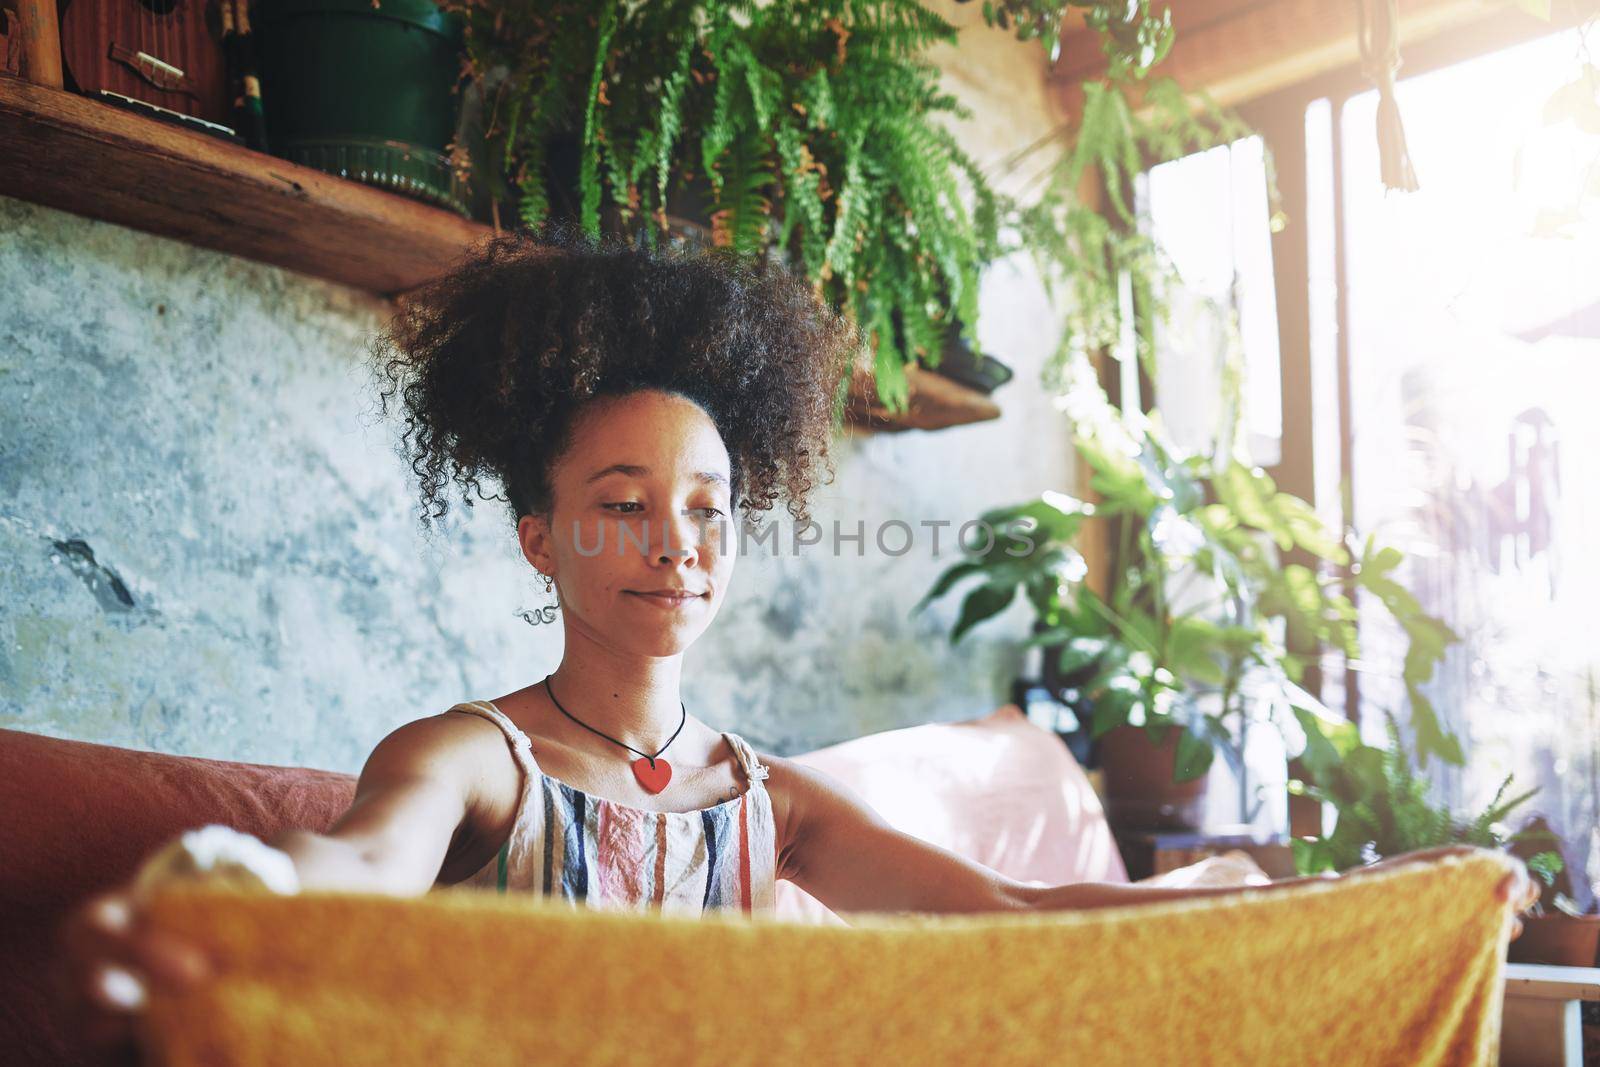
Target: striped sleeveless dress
[(599, 853)]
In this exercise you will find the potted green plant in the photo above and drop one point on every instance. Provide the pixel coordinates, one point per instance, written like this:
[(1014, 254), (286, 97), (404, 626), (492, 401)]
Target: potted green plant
[(1115, 655), (1187, 651), (1559, 930), (1148, 777), (1383, 807), (1558, 934)]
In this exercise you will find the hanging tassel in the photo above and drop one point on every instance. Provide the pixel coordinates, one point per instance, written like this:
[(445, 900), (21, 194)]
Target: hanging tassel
[(1394, 162), (1379, 38)]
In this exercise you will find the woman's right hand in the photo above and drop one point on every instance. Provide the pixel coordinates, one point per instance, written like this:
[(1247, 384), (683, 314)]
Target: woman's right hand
[(114, 960)]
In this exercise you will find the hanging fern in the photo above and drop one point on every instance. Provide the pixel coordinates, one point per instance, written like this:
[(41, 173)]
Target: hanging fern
[(588, 175), (665, 138), (739, 220), (817, 129), (1087, 252), (815, 126)]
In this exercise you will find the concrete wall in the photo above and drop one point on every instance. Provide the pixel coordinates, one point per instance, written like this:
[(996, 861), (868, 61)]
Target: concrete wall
[(211, 547)]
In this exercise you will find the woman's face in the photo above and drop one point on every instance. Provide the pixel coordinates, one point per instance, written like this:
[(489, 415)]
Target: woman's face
[(642, 505)]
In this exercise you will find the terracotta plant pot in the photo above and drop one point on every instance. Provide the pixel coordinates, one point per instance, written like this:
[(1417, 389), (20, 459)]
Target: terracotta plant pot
[(1558, 939), (1139, 791)]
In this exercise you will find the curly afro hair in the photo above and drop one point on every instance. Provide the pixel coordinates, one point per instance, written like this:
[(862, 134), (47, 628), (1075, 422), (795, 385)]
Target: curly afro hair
[(492, 361)]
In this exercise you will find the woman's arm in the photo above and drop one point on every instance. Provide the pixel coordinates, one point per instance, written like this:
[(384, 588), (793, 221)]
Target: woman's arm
[(1080, 895), (846, 855), (411, 800), (849, 858)]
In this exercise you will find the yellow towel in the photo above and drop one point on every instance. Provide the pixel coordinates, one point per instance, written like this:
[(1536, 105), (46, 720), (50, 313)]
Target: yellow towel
[(1401, 966)]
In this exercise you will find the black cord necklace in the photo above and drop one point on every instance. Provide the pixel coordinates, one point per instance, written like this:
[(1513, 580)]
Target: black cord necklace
[(653, 772)]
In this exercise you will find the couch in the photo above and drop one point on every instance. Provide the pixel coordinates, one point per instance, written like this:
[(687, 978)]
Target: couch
[(81, 817)]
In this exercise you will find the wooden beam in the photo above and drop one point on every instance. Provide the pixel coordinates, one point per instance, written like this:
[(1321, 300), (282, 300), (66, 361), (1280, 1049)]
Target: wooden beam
[(1081, 55), (1238, 50), (70, 152)]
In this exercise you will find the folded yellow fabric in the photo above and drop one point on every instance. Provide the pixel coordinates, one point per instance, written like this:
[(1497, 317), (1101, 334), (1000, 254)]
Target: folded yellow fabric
[(1401, 966)]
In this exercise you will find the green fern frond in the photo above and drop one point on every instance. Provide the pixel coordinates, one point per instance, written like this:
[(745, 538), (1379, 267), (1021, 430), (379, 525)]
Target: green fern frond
[(849, 215), (588, 177), (803, 206), (670, 125), (740, 217), (889, 364)]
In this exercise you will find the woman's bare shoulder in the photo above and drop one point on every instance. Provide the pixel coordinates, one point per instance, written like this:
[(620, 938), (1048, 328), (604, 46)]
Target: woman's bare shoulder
[(462, 748), (446, 742)]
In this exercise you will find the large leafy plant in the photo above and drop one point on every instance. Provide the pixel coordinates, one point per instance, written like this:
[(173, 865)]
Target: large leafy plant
[(1193, 629)]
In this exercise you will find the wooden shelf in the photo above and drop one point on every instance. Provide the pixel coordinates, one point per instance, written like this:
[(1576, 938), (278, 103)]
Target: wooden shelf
[(935, 402), (67, 151), (70, 152)]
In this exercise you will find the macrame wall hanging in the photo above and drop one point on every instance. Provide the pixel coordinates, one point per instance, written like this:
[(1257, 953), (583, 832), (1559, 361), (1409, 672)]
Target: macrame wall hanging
[(1379, 36)]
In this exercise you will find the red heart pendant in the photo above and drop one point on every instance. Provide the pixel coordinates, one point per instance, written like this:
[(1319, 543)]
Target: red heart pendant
[(655, 778)]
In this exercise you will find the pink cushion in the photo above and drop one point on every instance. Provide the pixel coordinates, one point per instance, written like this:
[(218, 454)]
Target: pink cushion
[(999, 790)]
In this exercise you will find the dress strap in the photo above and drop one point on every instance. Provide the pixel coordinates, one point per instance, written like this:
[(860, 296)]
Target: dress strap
[(521, 747), (753, 768)]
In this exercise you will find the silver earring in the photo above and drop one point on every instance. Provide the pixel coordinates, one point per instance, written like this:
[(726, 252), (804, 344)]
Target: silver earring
[(546, 614)]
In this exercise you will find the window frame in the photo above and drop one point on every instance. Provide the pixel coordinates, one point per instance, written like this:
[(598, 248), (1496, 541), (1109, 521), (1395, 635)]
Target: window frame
[(1279, 118)]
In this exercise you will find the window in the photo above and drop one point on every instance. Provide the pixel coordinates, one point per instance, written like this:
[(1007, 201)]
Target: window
[(1445, 348), (1472, 318), (1209, 212)]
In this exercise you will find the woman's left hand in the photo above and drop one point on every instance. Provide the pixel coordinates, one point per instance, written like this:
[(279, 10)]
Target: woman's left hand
[(1521, 892)]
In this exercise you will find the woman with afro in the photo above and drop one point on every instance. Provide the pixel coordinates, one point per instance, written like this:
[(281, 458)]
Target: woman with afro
[(637, 408)]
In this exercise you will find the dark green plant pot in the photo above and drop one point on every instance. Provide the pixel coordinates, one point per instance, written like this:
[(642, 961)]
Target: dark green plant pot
[(960, 362), (364, 92)]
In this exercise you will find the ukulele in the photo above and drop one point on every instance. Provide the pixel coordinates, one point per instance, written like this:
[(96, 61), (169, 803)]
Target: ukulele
[(10, 43), (167, 53)]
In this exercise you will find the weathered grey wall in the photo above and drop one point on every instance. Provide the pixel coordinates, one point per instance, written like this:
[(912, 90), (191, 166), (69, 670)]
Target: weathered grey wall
[(211, 548)]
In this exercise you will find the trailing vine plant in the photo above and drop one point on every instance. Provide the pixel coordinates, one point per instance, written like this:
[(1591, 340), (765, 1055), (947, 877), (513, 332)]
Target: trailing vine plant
[(1097, 257)]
